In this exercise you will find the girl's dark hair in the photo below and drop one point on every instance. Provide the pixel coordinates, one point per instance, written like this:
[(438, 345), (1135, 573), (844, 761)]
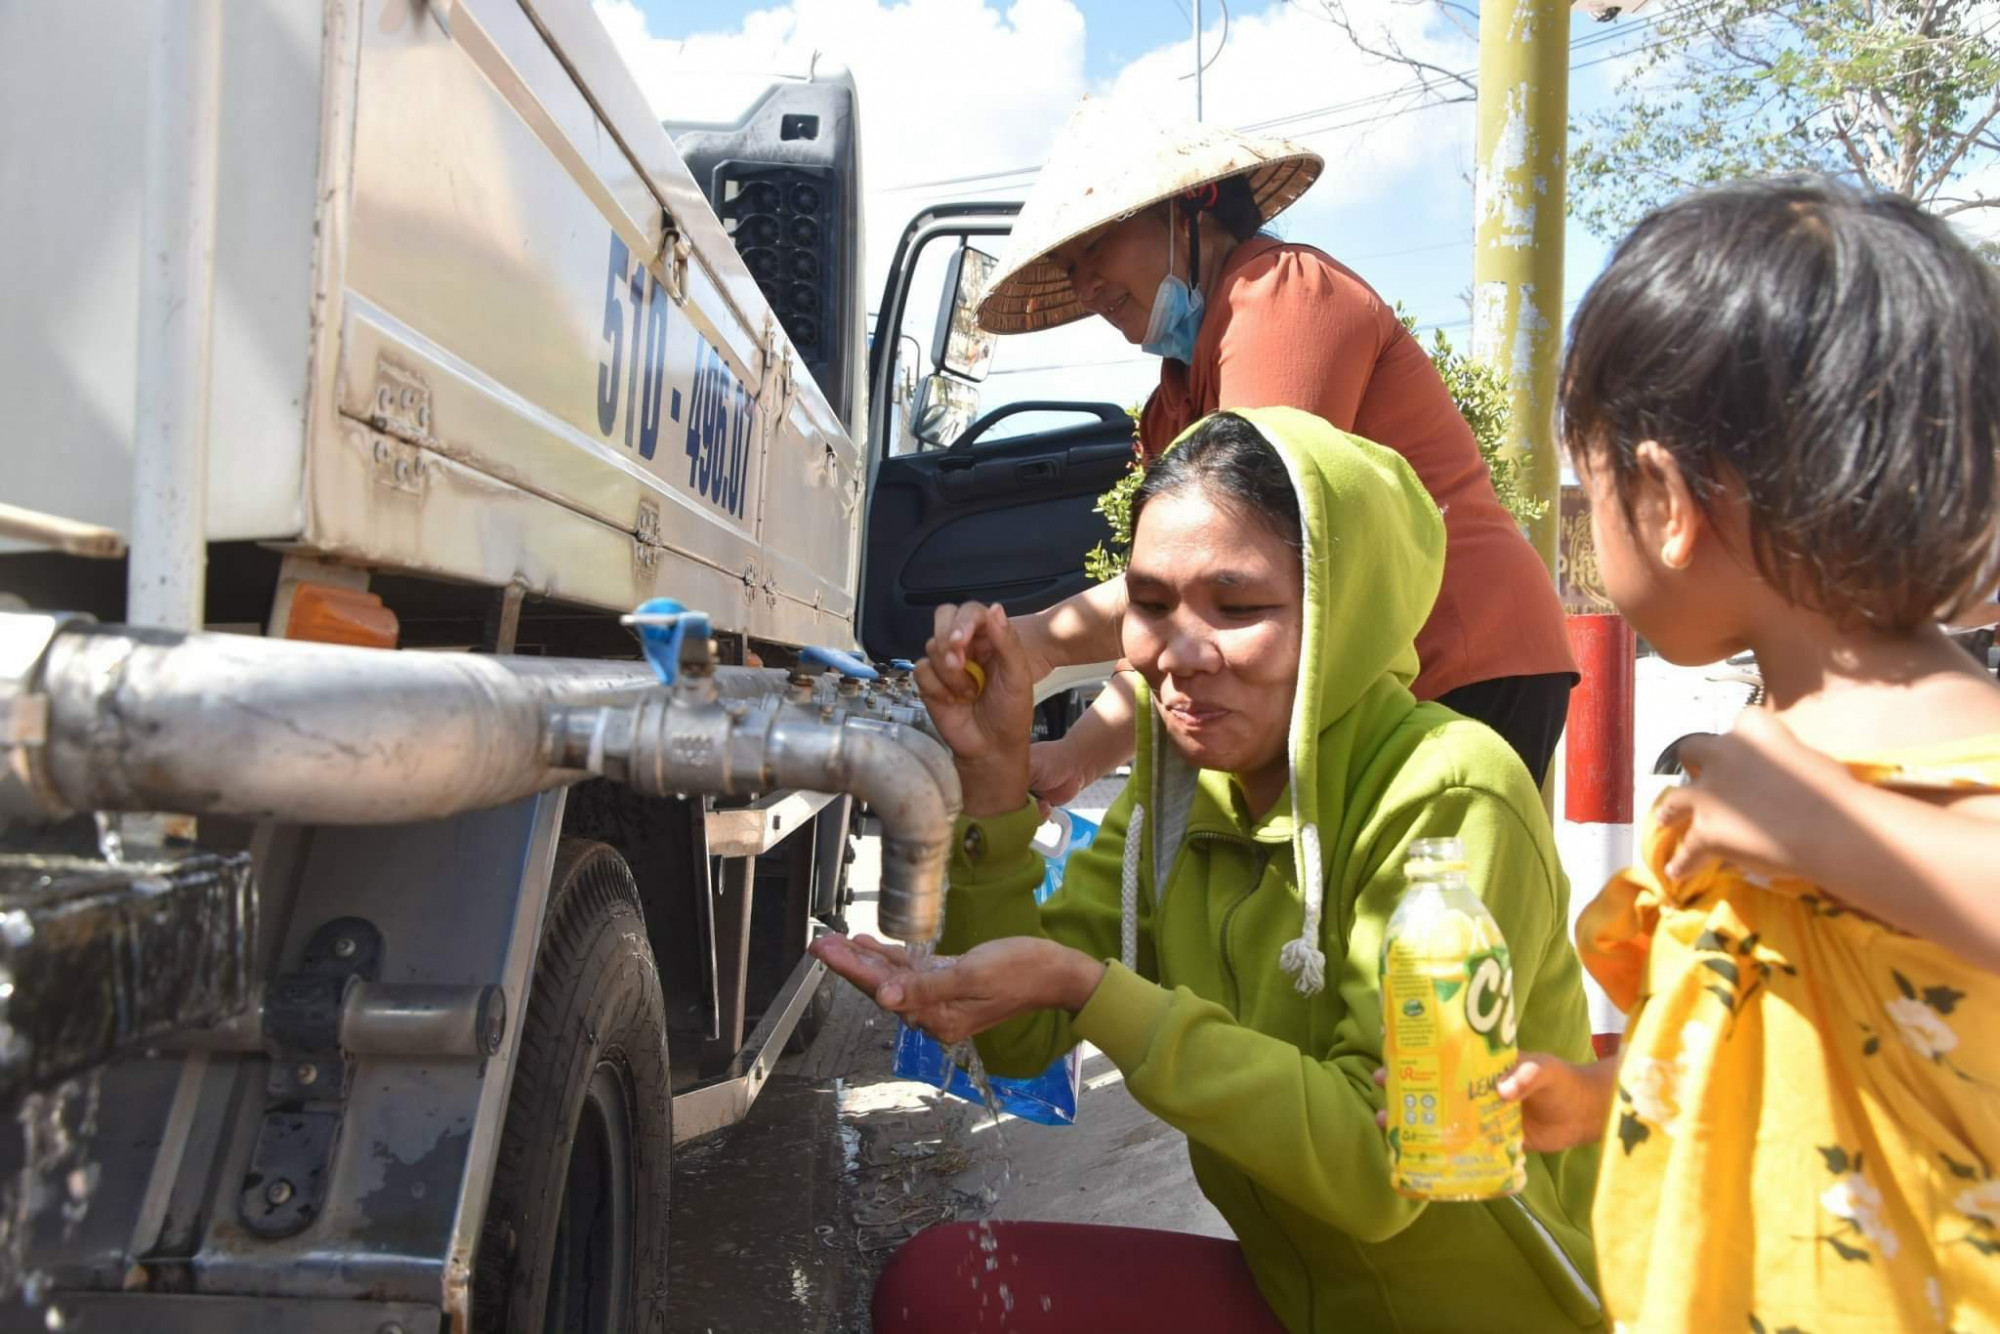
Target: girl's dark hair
[(1833, 355), (1230, 459)]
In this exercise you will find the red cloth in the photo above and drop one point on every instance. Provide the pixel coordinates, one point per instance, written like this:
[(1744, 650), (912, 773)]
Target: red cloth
[(1067, 1278), (1290, 327)]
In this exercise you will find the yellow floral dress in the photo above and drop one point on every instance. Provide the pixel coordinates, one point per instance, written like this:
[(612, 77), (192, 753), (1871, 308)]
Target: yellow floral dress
[(1807, 1129)]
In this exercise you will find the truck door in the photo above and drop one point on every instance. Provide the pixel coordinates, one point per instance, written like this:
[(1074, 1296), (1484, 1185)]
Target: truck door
[(964, 505)]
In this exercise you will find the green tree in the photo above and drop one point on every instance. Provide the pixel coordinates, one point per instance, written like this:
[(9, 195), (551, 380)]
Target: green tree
[(1480, 392), (1900, 95)]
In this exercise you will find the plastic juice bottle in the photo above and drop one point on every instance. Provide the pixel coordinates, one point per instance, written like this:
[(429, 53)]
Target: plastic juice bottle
[(1448, 1036)]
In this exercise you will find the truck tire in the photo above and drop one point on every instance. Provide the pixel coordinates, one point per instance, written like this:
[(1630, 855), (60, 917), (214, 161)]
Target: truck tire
[(575, 1235)]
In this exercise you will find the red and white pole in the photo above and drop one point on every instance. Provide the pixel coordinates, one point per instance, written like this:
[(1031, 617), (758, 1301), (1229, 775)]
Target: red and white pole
[(1596, 836)]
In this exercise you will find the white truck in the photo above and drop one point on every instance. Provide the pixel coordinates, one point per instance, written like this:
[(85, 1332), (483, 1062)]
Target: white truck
[(373, 921)]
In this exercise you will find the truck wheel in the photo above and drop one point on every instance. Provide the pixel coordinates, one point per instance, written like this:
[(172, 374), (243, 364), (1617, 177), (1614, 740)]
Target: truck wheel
[(575, 1237)]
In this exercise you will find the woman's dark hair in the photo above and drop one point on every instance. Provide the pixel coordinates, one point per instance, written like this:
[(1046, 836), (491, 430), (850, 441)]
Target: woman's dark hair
[(1832, 354), (1234, 206), (1230, 459)]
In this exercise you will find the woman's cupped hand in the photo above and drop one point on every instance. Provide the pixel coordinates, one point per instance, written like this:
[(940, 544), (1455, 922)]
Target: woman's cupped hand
[(960, 997)]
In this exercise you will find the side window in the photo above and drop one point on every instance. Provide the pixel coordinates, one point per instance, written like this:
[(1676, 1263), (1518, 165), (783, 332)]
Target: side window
[(950, 373)]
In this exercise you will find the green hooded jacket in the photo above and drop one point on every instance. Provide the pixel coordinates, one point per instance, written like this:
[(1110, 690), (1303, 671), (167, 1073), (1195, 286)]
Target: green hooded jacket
[(1241, 1000)]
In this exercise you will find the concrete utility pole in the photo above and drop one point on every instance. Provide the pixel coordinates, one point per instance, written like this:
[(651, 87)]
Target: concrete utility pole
[(1197, 59), (1519, 204)]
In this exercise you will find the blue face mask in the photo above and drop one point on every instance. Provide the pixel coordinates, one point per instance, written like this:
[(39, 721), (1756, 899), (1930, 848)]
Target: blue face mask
[(1175, 320)]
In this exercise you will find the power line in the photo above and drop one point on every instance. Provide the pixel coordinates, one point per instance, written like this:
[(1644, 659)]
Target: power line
[(1427, 82), (1306, 133), (1415, 88)]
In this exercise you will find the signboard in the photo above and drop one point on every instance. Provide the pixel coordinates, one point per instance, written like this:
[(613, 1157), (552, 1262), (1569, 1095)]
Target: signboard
[(1577, 575)]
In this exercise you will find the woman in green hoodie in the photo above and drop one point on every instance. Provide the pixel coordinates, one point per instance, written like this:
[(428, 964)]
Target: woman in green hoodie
[(1219, 939)]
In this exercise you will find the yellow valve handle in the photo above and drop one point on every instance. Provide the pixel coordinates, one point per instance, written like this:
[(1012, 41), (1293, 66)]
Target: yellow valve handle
[(978, 675)]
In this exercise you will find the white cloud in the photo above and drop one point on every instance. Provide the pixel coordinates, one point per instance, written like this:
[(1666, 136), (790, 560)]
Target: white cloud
[(954, 88), (1284, 61), (947, 87)]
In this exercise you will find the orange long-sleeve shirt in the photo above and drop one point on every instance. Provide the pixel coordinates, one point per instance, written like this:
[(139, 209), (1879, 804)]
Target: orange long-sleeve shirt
[(1290, 327)]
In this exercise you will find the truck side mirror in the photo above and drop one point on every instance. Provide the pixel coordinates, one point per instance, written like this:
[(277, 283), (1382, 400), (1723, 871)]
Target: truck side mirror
[(960, 345), (945, 406)]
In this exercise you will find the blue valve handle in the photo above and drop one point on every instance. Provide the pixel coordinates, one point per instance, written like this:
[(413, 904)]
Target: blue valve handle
[(847, 664), (902, 665), (663, 624)]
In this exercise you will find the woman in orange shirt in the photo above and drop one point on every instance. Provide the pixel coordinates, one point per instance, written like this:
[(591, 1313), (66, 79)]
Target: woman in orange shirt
[(1155, 228)]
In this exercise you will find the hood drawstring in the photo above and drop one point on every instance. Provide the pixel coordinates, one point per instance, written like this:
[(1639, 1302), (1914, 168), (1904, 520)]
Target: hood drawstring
[(1303, 958), (1128, 924)]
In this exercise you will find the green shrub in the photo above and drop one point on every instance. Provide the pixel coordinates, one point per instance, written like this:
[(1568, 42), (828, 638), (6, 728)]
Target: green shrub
[(1480, 391)]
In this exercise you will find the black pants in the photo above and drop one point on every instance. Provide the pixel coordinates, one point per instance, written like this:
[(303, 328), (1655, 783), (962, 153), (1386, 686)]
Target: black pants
[(1527, 711)]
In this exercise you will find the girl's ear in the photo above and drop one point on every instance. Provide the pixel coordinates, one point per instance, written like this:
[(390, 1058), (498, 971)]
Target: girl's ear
[(1677, 521)]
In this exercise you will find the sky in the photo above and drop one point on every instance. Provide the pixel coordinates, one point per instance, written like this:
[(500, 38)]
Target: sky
[(955, 88)]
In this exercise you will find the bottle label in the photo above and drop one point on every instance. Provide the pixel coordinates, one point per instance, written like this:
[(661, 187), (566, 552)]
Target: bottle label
[(1448, 1037)]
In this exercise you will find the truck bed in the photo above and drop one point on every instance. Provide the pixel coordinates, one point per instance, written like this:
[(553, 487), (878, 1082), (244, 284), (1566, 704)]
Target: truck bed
[(474, 319)]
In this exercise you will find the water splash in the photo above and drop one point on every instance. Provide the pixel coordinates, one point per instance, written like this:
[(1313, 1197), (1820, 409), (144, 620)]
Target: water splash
[(111, 837), (58, 1170)]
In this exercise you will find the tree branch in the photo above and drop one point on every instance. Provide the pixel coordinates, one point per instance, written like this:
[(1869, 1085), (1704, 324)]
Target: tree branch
[(1860, 151), (1965, 206), (1965, 143), (1463, 17), (1335, 12)]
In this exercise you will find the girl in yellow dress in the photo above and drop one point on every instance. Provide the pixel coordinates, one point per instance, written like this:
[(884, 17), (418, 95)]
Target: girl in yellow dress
[(1784, 400)]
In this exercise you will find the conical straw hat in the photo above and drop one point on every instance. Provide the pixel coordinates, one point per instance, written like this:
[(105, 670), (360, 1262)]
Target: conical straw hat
[(1108, 164)]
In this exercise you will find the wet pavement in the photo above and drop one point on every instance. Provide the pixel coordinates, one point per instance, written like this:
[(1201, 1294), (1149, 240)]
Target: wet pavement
[(748, 1205), (782, 1222)]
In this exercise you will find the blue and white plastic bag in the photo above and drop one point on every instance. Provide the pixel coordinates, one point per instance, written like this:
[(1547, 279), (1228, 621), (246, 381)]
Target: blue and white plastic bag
[(1050, 1097)]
